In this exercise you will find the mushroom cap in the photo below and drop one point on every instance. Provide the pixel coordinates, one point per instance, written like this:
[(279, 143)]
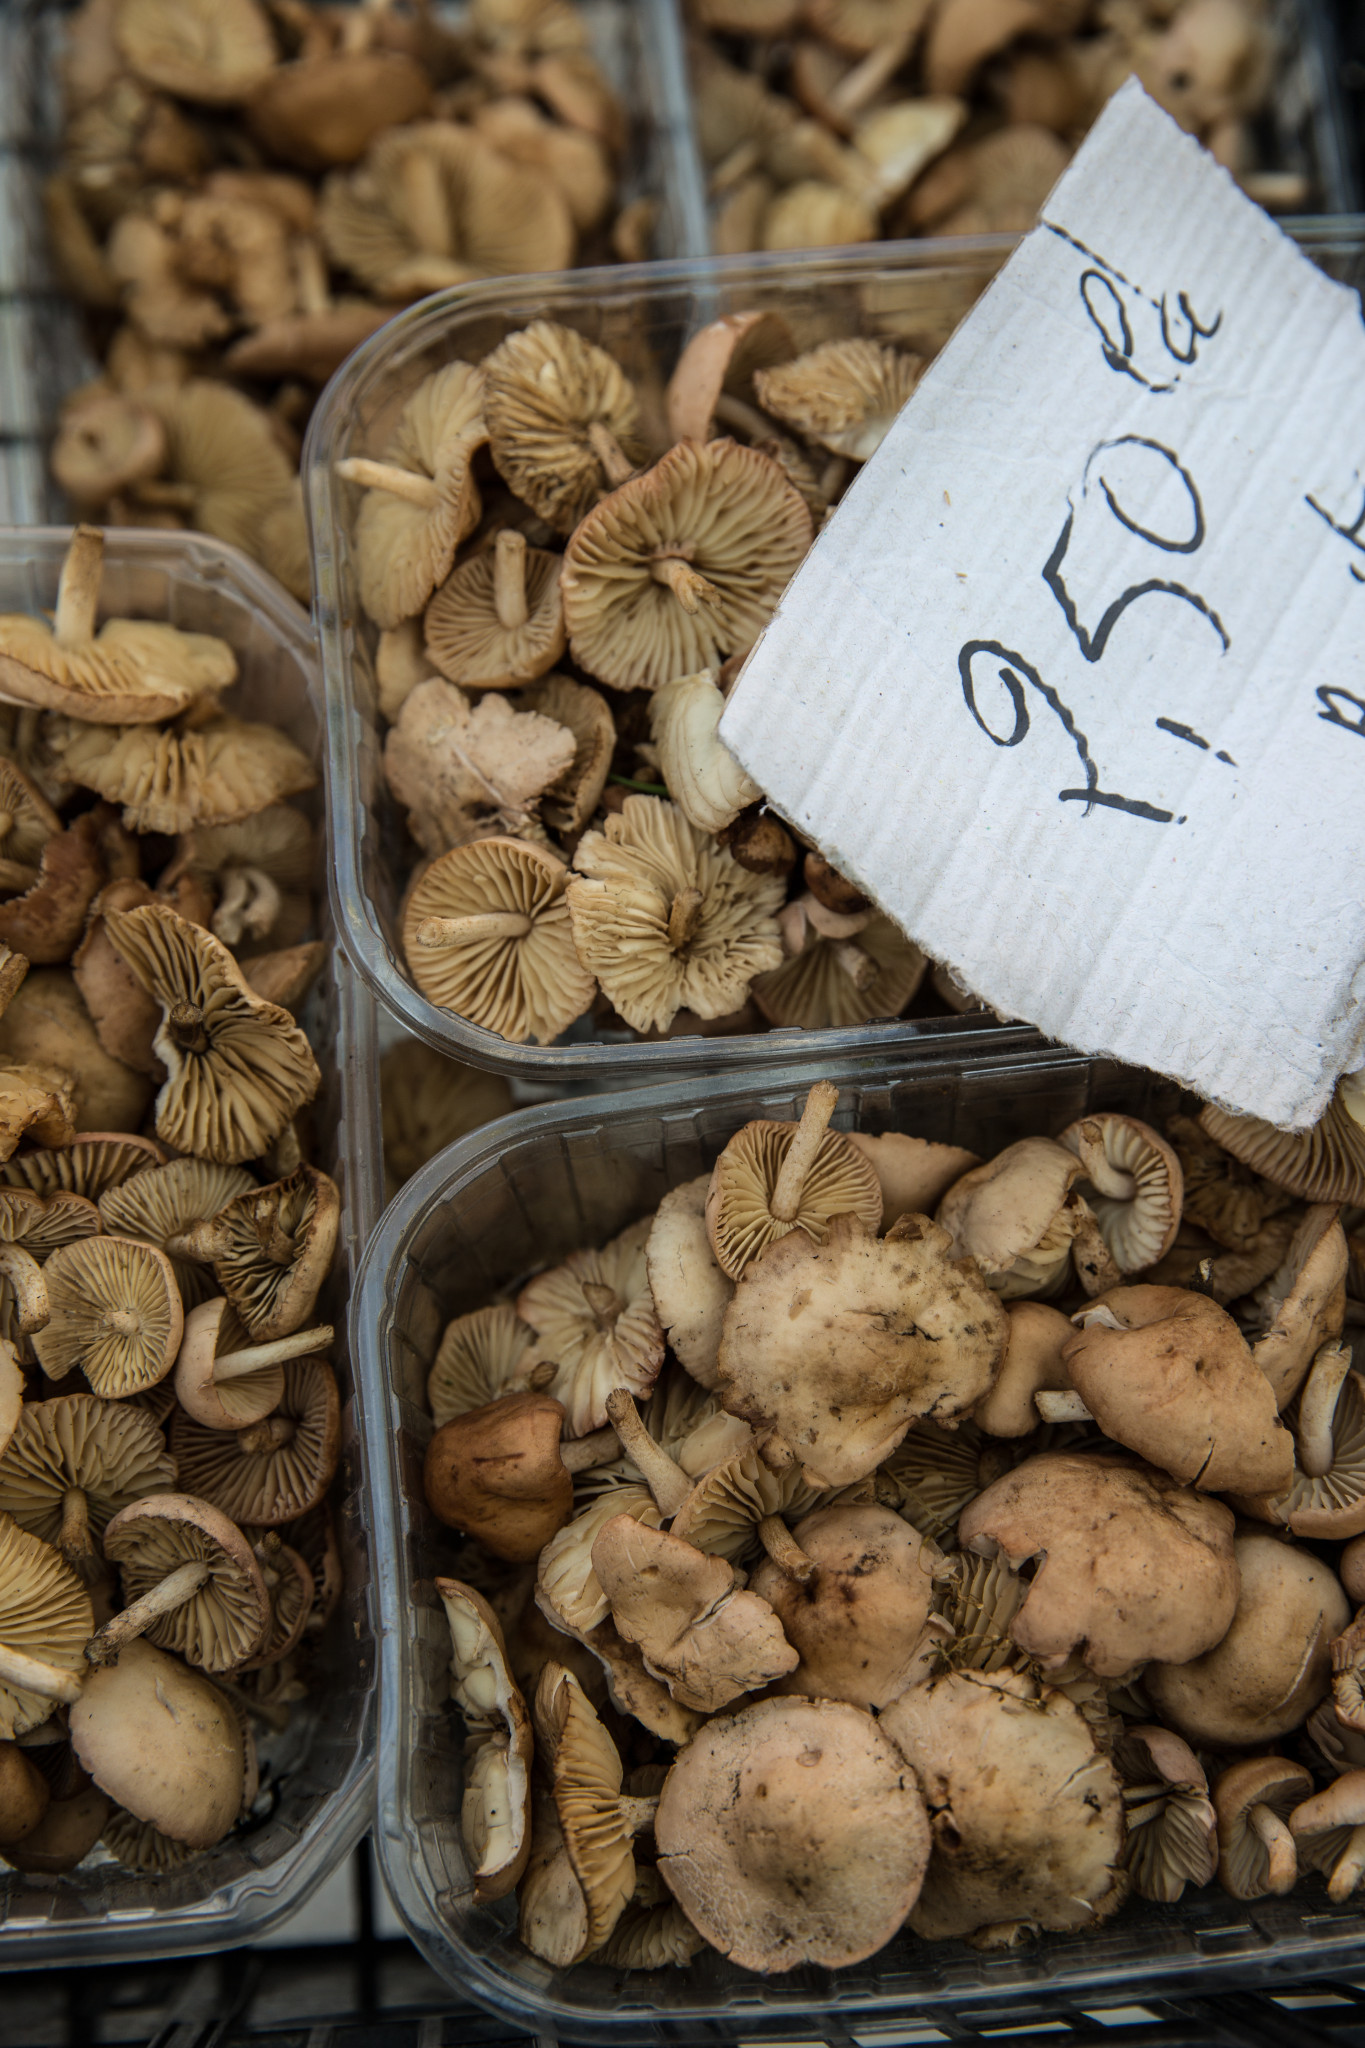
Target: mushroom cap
[(858, 1623), (546, 387), (567, 1591), (239, 1067), (845, 394), (1172, 1827), (1169, 1374), (116, 1313), (216, 51), (722, 1513), (45, 922), (328, 109), (584, 713), (271, 1249), (31, 820), (210, 1330), (133, 671), (93, 1162), (1330, 1505), (528, 986), (552, 1918), (164, 1202), (791, 1832), (914, 1174), (691, 1291), (36, 1101), (708, 1642), (168, 781), (800, 1354), (1256, 1781), (1132, 1180), (495, 1471), (817, 215), (833, 984), (1272, 1665), (1324, 1164), (667, 919), (112, 1452), (65, 1835), (40, 1223), (703, 777), (312, 346), (44, 1613), (1011, 1215), (467, 640), (1304, 1301), (466, 772), (24, 1795), (1027, 1816), (106, 440), (1323, 1824), (598, 1341), (587, 1776), (137, 1845), (495, 1817), (860, 26), (224, 452), (1033, 1363), (226, 1620), (479, 1357), (1132, 1566), (278, 1469), (125, 1017), (840, 1182), (162, 1741), (726, 513), (403, 550)]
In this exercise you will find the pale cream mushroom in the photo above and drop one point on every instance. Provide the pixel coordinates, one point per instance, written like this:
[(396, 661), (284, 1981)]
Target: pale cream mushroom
[(1329, 1834), (739, 1509), (190, 1580), (161, 1202), (845, 394), (1033, 1364), (466, 772), (594, 1317), (224, 1380), (594, 1825), (276, 1470), (813, 214), (115, 1313), (563, 421), (718, 363), (576, 161), (45, 1618), (1303, 1302), (226, 473), (73, 1463), (171, 781), (666, 919), (162, 1740), (1324, 1164), (567, 1591), (216, 51), (1016, 1218), (480, 1357), (914, 1174), (1131, 1180), (691, 1290), (86, 1165), (703, 777), (572, 798), (428, 1101), (498, 620), (421, 500), (831, 983), (495, 1817), (486, 933), (1324, 1496), (1171, 1826), (776, 1178)]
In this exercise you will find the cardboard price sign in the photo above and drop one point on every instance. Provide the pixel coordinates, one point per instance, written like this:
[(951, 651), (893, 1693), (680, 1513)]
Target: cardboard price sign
[(1073, 683)]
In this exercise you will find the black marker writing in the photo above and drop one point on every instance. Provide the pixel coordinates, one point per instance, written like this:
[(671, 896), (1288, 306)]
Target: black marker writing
[(1350, 534), (1334, 715), (1105, 293)]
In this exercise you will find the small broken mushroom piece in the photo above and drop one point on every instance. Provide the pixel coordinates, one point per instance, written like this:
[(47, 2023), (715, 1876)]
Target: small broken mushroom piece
[(776, 1178), (702, 775), (495, 1813), (1171, 1837), (594, 1319)]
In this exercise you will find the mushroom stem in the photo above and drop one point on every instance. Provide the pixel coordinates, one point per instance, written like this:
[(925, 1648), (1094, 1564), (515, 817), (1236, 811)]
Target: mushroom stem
[(1318, 1408), (174, 1590), (582, 1453), (743, 158), (683, 914), (806, 1141), (185, 1022), (73, 1537), (688, 585), (638, 1814), (859, 966), (860, 86), (1062, 1407), (435, 932), (22, 1673), (509, 579), (1348, 1869), (387, 476), (775, 1452), (25, 1276), (425, 203), (784, 1550), (668, 1483), (239, 1365), (78, 591), (604, 1302), (250, 902), (1278, 1843), (310, 276), (737, 412), (536, 1381), (270, 1435), (1105, 1178), (617, 466)]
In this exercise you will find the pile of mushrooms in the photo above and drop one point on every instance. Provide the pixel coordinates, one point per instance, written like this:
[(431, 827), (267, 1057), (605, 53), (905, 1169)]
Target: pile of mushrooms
[(881, 1537), (564, 570), (248, 189), (823, 122), (169, 1422)]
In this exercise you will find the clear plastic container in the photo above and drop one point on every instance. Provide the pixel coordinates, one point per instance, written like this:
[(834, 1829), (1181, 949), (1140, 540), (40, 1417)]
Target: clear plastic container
[(909, 292), (529, 1190), (255, 1878)]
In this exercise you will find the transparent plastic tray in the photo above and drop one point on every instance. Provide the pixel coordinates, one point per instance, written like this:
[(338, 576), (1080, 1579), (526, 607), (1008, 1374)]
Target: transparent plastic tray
[(237, 1891), (911, 292), (527, 1191)]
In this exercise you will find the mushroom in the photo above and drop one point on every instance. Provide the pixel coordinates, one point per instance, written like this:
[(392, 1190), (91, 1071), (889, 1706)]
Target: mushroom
[(238, 1067), (500, 1473), (773, 1179), (913, 1174), (45, 1618), (652, 1932), (1014, 1216), (163, 1742), (572, 798), (1328, 1831), (804, 1357), (498, 621), (31, 1227), (169, 781), (310, 345), (843, 395), (133, 670), (1034, 1363), (563, 421), (45, 923), (666, 919), (978, 1598), (552, 1917), (65, 1835), (575, 161), (1254, 1799), (86, 1165), (270, 1248), (1303, 1302), (720, 360), (1132, 1566), (495, 1813), (691, 1290), (832, 983), (115, 1313), (275, 1470), (12, 1389), (191, 1581), (480, 1357), (27, 823), (1325, 1495), (594, 1317), (682, 565), (137, 1845), (596, 1820), (486, 933), (24, 1796), (738, 1509), (708, 1641), (567, 1591), (249, 870), (817, 215), (125, 1017), (466, 772), (37, 1102), (1271, 1666), (1026, 1814), (703, 777), (215, 51), (1132, 1181), (421, 500), (791, 1832), (74, 1462), (327, 107), (1171, 1826), (226, 1382), (858, 1621), (1324, 1164), (1168, 1374)]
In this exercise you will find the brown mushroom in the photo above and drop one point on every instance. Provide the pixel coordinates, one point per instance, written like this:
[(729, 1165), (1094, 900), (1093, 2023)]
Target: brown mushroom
[(562, 420), (328, 108), (190, 1580), (270, 1248), (275, 1470), (73, 1463), (115, 1313), (500, 1472), (1254, 1800), (1324, 1164), (216, 51), (497, 621), (776, 1178), (162, 1741)]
